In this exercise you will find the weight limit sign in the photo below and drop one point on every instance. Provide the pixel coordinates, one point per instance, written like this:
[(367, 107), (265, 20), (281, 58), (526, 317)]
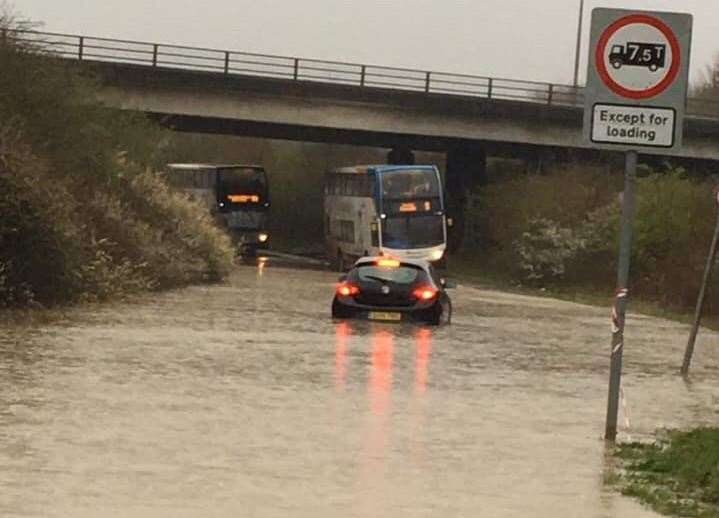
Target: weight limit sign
[(637, 79)]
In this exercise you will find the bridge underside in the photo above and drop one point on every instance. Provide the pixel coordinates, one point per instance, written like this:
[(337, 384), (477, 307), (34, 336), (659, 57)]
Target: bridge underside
[(466, 129)]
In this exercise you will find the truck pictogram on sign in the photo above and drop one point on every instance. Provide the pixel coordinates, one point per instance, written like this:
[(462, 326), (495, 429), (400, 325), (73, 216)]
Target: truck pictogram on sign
[(637, 54)]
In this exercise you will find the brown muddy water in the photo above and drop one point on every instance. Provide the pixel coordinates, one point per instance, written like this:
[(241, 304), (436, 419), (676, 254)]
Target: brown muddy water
[(246, 399)]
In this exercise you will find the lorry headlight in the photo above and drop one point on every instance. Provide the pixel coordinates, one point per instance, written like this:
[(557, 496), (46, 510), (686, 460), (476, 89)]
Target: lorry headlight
[(264, 236), (436, 255)]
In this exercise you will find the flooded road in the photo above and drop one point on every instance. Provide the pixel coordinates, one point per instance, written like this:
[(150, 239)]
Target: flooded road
[(245, 399)]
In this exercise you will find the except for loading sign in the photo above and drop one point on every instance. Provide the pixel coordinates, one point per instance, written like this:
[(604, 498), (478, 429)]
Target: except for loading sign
[(633, 125)]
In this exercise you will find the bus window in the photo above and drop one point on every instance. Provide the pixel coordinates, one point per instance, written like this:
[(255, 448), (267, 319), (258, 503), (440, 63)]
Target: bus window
[(410, 184), (413, 231)]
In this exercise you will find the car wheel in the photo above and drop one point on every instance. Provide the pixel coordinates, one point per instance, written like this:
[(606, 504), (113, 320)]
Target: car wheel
[(340, 310), (439, 314)]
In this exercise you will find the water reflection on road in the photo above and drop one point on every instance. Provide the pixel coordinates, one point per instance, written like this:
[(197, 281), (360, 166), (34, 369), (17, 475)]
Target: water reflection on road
[(246, 400)]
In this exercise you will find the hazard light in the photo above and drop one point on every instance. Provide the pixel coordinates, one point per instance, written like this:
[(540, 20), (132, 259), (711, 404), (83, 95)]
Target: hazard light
[(388, 263)]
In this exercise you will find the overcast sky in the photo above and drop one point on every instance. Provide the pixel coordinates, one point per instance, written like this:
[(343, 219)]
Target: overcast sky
[(522, 39)]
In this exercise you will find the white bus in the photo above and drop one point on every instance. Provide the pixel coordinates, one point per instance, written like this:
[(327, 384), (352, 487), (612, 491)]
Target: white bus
[(236, 194), (394, 210)]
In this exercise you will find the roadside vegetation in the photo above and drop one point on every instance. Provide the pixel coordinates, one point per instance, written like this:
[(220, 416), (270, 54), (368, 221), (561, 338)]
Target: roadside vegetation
[(678, 475), (559, 232), (83, 215)]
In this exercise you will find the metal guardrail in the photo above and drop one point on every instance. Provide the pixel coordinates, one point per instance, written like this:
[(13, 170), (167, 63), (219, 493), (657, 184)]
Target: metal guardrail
[(88, 48)]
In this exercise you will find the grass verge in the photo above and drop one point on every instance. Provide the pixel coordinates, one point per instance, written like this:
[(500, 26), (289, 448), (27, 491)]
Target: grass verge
[(678, 475), (466, 267)]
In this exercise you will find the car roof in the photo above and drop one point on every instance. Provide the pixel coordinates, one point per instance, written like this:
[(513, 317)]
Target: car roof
[(420, 263)]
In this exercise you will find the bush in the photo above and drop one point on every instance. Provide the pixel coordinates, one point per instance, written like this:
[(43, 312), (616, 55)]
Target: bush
[(77, 222), (562, 229)]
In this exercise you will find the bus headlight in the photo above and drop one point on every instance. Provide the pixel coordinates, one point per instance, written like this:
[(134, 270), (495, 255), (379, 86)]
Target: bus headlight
[(264, 236), (436, 255)]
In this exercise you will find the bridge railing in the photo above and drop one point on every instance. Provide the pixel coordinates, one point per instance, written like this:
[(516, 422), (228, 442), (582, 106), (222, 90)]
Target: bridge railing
[(89, 48)]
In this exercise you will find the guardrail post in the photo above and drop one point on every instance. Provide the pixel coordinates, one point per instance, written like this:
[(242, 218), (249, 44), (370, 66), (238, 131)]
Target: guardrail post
[(297, 69), (426, 82), (154, 55), (80, 48), (362, 74), (227, 63), (550, 93), (489, 88)]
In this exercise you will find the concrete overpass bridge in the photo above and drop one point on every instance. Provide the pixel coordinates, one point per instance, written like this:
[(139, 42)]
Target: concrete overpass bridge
[(263, 95), (466, 116)]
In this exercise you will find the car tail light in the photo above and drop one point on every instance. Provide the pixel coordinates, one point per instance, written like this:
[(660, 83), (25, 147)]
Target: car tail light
[(425, 293), (347, 289)]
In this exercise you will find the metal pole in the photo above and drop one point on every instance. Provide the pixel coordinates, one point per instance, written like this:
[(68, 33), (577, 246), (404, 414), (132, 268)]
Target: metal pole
[(700, 301), (620, 301), (579, 43)]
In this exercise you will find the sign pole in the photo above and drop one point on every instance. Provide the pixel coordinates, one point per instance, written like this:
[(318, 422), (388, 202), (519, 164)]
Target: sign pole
[(579, 43), (620, 301), (689, 352)]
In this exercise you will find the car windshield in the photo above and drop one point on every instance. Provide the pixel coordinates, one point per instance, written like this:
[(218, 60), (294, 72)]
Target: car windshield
[(409, 184), (247, 180), (412, 231), (397, 275)]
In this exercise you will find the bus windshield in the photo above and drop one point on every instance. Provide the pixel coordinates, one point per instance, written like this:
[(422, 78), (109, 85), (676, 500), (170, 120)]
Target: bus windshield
[(242, 185), (409, 184), (413, 231)]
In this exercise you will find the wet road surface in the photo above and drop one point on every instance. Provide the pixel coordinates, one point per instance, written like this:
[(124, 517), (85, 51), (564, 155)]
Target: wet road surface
[(245, 399)]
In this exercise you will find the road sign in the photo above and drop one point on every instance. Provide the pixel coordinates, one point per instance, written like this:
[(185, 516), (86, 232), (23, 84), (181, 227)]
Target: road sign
[(637, 80), (634, 101)]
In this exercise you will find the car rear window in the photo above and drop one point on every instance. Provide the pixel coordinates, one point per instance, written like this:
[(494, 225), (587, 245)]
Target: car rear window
[(398, 275)]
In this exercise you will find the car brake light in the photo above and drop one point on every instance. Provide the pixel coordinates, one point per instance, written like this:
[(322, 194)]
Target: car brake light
[(347, 289), (425, 293)]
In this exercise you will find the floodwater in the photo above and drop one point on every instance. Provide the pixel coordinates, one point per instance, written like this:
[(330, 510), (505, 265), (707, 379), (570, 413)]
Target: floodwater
[(247, 400)]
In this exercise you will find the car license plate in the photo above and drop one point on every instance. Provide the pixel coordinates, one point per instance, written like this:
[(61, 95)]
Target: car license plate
[(384, 315)]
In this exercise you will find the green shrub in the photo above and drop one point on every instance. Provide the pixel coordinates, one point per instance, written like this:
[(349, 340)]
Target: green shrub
[(76, 221), (562, 229)]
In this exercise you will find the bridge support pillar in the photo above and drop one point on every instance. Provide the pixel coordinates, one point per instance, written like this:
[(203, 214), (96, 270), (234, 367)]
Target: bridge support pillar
[(400, 156), (466, 172)]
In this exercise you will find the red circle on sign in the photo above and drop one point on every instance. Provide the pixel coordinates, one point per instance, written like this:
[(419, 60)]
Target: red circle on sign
[(602, 67)]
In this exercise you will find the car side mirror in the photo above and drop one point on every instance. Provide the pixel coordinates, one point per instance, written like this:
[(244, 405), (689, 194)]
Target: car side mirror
[(342, 278), (449, 284)]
